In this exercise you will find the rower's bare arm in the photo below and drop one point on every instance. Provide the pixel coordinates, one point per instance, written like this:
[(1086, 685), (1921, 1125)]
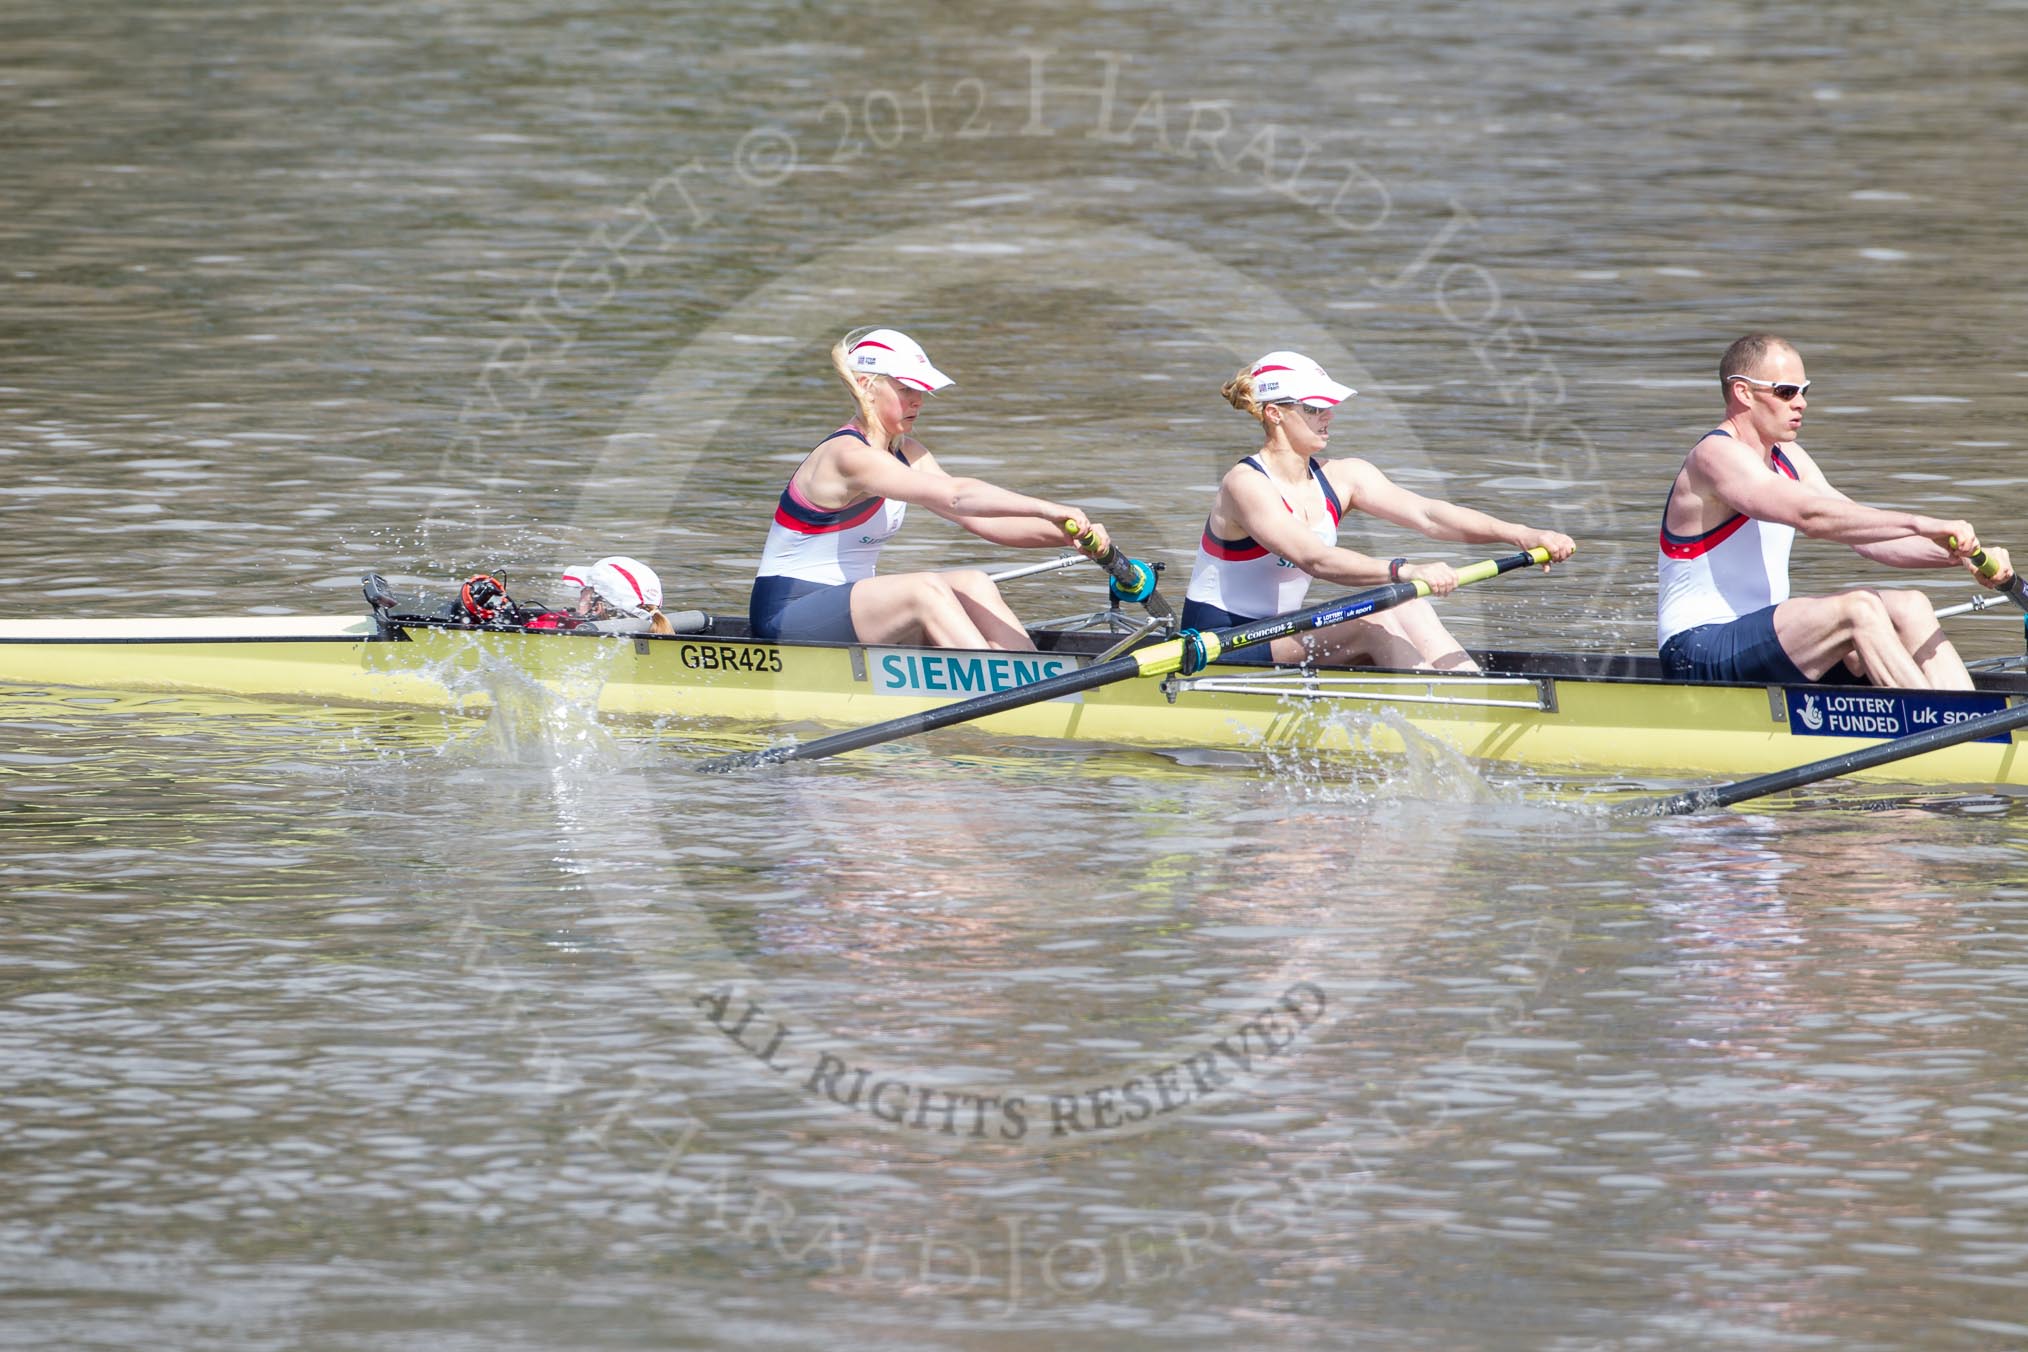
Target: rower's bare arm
[(1922, 551), (1371, 491), (990, 512), (1737, 478), (1471, 526), (1909, 551), (1258, 511)]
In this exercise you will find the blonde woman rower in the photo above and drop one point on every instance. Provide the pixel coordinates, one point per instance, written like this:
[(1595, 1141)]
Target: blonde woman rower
[(816, 582), (1274, 527)]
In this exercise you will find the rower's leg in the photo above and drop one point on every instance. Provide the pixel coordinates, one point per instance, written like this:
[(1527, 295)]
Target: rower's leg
[(1916, 623), (1364, 642), (1818, 632), (988, 612), (1352, 643), (1400, 637), (912, 608), (1417, 622)]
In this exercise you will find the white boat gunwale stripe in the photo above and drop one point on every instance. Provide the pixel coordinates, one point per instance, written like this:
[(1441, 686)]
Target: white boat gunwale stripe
[(110, 641)]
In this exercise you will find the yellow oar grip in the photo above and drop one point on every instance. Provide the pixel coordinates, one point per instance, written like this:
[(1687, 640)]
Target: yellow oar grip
[(1082, 538), (1979, 560)]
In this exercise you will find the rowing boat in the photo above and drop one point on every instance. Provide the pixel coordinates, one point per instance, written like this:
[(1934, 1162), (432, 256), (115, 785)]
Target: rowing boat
[(1542, 711)]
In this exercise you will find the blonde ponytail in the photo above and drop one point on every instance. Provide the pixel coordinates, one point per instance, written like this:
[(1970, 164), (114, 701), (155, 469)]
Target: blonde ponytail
[(1238, 392), (876, 435)]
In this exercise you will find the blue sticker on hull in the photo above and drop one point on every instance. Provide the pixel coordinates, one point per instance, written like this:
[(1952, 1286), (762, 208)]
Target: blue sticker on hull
[(1880, 713)]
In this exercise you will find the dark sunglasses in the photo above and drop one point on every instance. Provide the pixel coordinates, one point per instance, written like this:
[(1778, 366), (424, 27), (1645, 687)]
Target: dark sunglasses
[(1783, 390)]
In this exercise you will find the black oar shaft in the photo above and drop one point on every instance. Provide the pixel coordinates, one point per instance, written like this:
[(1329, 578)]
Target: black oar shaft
[(1901, 748), (1157, 660)]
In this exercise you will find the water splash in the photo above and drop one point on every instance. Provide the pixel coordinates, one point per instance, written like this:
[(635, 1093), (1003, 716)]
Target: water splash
[(1388, 758), (548, 722)]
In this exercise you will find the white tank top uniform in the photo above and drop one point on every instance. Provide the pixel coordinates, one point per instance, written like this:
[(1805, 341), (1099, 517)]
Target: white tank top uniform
[(1732, 570), (1235, 581), (811, 559)]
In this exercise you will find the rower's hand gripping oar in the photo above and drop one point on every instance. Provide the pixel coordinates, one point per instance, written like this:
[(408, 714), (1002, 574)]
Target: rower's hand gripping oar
[(1187, 653), (1131, 579), (2015, 588)]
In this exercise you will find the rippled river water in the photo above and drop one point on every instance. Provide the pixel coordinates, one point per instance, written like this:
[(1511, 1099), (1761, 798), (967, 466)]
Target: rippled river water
[(371, 1028)]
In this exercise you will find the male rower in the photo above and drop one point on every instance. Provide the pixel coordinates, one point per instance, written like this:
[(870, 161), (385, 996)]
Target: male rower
[(1742, 494)]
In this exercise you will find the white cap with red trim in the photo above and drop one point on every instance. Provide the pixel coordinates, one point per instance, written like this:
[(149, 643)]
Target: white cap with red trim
[(888, 352), (628, 585), (1290, 377), (578, 576)]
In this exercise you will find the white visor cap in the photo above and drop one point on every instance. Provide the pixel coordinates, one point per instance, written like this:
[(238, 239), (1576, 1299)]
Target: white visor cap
[(888, 352), (1290, 377), (578, 576), (628, 585)]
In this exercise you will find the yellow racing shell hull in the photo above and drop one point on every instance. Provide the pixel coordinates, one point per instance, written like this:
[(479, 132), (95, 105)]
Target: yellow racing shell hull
[(1545, 712)]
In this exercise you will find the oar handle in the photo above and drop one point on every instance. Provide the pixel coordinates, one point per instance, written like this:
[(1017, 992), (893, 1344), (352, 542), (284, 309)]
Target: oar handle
[(2014, 588), (1132, 579)]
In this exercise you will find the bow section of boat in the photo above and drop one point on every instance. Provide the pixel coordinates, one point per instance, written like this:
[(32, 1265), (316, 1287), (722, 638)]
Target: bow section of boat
[(347, 658)]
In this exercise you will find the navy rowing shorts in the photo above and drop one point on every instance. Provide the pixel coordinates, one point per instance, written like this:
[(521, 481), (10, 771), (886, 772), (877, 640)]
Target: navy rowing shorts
[(1744, 650), (788, 608)]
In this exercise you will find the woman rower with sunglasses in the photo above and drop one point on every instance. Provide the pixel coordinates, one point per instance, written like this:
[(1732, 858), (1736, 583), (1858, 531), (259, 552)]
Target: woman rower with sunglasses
[(1274, 527), (1745, 489)]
